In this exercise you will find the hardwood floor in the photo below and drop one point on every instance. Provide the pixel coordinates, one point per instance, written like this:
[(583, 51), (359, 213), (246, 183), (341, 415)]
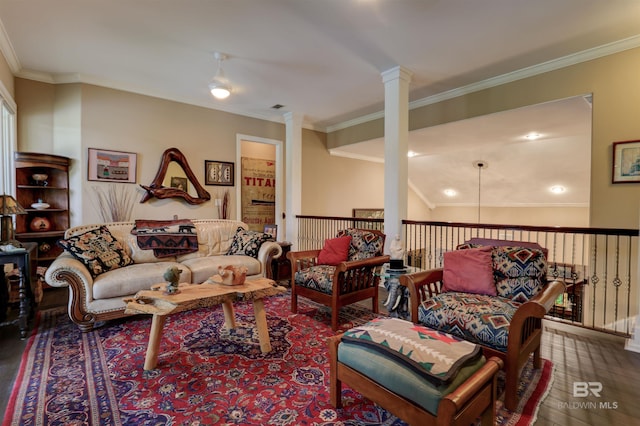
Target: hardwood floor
[(579, 355)]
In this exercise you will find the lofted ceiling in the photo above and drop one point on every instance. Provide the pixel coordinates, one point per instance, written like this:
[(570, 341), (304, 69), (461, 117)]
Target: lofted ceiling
[(324, 59)]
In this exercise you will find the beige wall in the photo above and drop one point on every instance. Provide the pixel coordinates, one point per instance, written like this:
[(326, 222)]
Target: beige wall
[(529, 216), (615, 85), (124, 121), (69, 119)]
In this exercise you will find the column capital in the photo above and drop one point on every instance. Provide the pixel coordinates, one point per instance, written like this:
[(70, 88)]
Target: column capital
[(397, 73)]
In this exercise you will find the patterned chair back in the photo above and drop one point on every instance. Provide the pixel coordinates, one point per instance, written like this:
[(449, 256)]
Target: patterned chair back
[(365, 243)]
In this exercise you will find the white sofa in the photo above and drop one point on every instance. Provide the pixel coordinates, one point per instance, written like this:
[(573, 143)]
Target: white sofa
[(93, 299)]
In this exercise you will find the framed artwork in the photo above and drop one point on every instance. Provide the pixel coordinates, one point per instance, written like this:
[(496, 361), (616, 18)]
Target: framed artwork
[(271, 229), (369, 213), (218, 173), (626, 162), (179, 183), (112, 166)]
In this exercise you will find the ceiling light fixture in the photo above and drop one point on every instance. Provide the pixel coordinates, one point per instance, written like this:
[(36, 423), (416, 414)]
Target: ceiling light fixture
[(219, 86), (411, 154), (557, 189), (450, 192), (532, 136), (480, 165)]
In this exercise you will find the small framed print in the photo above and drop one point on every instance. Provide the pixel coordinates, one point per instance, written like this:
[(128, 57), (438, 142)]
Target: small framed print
[(180, 183), (271, 229), (626, 162), (218, 173), (111, 166)]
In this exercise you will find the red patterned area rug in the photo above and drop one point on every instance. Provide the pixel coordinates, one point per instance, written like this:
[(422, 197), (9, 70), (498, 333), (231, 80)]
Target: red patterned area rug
[(205, 376)]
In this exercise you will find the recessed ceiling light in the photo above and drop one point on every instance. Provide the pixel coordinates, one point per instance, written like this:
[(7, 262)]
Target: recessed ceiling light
[(411, 154), (532, 136), (450, 192), (557, 189)]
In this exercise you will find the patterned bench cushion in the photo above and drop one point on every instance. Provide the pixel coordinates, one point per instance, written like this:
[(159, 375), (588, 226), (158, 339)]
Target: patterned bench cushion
[(477, 318), (435, 355), (319, 278)]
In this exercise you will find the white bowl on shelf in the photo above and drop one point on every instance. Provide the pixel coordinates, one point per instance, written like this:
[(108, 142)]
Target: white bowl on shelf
[(40, 206)]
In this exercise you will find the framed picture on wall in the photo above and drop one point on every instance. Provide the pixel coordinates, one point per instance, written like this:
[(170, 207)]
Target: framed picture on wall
[(218, 173), (271, 229), (111, 166), (626, 162)]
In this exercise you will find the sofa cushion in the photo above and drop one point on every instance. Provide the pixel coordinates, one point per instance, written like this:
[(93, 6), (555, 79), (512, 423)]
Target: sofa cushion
[(248, 242), (335, 250), (469, 271), (127, 281), (203, 268), (477, 318), (519, 272), (364, 244), (319, 277), (98, 250)]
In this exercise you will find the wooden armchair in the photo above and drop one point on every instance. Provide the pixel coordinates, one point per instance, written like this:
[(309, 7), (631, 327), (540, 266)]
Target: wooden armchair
[(519, 323), (347, 282)]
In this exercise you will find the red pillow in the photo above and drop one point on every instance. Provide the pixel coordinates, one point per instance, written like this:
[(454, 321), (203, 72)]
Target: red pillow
[(469, 271), (335, 250)]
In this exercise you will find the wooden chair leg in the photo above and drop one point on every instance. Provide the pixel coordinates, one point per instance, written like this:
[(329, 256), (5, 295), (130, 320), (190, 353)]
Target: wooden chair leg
[(511, 386), (335, 313), (335, 384), (537, 360), (294, 298)]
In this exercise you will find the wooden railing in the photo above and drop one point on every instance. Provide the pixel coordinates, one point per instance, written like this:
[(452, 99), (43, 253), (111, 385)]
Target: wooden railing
[(599, 265)]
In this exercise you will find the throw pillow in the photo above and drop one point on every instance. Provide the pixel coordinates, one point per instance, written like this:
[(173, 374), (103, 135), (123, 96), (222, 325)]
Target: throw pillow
[(98, 250), (335, 250), (469, 271), (247, 242)]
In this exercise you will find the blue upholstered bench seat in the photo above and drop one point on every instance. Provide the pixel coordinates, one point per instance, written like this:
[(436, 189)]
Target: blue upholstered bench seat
[(400, 379), (417, 363), (476, 318)]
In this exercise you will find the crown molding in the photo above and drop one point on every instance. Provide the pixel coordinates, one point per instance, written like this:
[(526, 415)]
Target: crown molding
[(7, 50), (552, 65)]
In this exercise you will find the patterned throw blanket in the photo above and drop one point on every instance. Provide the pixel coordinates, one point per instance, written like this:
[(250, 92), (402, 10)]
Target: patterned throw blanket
[(434, 355), (166, 237)]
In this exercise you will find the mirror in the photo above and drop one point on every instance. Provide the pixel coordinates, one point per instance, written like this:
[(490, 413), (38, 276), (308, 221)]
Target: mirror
[(175, 180)]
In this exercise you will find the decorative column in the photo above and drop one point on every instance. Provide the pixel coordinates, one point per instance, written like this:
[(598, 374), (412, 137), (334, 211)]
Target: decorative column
[(396, 144), (293, 155)]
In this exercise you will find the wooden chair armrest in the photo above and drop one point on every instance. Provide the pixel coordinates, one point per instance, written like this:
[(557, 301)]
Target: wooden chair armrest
[(473, 384), (306, 254), (416, 283), (549, 294), (364, 263)]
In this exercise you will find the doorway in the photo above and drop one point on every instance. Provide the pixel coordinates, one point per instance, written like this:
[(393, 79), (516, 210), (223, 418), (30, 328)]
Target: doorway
[(260, 177)]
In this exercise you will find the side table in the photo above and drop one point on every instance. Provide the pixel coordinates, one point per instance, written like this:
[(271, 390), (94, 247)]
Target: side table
[(281, 267), (397, 301), (23, 259)]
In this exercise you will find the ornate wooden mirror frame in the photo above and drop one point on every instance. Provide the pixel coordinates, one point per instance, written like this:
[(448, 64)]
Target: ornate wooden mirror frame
[(158, 190)]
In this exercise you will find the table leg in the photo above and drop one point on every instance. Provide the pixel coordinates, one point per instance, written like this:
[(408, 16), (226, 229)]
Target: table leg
[(229, 315), (25, 303), (261, 324), (155, 335)]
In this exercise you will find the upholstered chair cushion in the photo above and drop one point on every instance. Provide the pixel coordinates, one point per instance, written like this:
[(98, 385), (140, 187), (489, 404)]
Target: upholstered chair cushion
[(363, 244), (477, 318), (319, 277), (519, 272)]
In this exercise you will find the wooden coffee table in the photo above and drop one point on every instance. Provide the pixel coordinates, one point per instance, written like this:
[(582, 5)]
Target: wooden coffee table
[(194, 296)]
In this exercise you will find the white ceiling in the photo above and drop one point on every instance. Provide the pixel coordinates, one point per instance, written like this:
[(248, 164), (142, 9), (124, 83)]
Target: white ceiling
[(321, 59)]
